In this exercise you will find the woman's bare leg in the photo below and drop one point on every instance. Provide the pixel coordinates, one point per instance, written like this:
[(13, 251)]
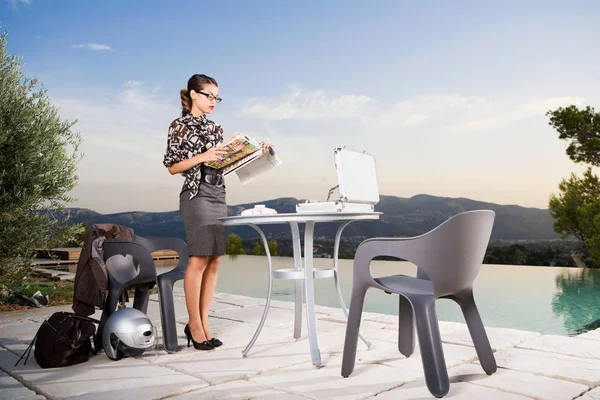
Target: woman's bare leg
[(207, 291), (191, 285)]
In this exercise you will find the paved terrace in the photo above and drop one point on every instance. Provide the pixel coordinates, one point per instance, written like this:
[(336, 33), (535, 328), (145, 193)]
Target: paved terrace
[(531, 366)]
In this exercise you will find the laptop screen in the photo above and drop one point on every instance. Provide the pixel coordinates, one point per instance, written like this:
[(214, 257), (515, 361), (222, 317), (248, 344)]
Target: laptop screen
[(357, 176)]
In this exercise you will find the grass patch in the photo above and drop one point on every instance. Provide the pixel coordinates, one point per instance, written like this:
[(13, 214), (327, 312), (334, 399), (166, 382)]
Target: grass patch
[(59, 293)]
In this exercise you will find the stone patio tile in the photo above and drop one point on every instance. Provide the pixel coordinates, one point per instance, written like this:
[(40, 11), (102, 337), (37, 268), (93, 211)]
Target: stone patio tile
[(389, 333), (388, 354), (458, 391), (156, 389), (365, 326), (235, 336), (218, 306), (17, 335), (14, 390), (591, 395), (253, 314), (242, 301), (535, 386), (325, 325), (500, 338), (327, 382), (574, 369), (239, 335), (381, 318), (330, 341), (572, 346), (238, 390), (453, 354), (98, 375), (37, 315), (223, 365), (282, 396), (287, 305)]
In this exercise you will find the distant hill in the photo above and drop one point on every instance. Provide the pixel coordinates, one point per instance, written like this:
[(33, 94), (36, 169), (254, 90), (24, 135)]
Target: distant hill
[(401, 217)]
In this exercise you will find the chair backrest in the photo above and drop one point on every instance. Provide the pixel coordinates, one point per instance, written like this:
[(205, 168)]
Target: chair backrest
[(166, 243), (144, 242), (456, 251), (450, 255), (129, 261)]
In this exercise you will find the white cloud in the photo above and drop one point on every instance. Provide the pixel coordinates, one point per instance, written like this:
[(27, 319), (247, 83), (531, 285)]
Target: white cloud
[(495, 114), (124, 134), (454, 113), (92, 47), (418, 143), (307, 105), (16, 2)]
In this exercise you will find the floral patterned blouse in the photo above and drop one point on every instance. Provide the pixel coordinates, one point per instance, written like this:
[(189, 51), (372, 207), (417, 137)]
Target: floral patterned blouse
[(188, 136)]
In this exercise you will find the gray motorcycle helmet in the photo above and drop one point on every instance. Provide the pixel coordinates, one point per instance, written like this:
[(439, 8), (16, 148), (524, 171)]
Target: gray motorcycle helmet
[(128, 332)]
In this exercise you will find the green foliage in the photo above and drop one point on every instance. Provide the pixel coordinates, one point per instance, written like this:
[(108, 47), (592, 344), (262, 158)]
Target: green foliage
[(517, 254), (581, 129), (259, 249), (576, 212), (38, 158), (234, 245), (273, 248), (72, 235)]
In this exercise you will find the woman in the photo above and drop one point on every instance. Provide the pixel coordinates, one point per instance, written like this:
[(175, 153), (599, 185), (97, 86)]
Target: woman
[(193, 141)]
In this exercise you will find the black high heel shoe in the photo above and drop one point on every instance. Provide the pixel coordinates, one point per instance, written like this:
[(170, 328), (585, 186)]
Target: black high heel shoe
[(206, 345), (215, 342)]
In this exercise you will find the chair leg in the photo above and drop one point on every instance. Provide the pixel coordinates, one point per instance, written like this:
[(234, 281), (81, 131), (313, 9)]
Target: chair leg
[(142, 296), (110, 305), (352, 329), (430, 342), (167, 314), (480, 339), (406, 327)]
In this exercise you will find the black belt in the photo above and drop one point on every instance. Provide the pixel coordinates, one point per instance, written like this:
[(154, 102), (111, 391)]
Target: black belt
[(212, 176)]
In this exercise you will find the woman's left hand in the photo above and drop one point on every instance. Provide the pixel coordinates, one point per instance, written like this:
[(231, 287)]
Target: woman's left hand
[(265, 145)]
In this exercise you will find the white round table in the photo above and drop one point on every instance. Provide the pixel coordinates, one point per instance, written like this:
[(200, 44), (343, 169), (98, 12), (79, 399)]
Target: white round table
[(300, 272)]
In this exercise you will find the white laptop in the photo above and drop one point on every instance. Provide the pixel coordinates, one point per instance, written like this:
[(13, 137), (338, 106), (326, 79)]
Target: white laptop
[(357, 185)]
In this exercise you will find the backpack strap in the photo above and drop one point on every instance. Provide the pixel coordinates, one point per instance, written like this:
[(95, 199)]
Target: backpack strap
[(84, 318), (27, 350)]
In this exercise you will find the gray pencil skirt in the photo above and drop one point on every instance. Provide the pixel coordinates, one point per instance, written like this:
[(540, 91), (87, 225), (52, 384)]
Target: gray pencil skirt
[(205, 234)]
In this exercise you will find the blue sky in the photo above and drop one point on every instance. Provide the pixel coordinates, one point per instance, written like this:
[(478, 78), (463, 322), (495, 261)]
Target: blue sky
[(449, 97)]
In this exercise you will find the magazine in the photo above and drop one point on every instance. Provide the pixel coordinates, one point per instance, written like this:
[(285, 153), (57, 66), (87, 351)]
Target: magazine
[(236, 149), (252, 168)]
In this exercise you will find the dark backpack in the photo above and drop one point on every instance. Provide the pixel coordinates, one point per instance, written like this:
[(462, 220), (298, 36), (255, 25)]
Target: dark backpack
[(63, 340)]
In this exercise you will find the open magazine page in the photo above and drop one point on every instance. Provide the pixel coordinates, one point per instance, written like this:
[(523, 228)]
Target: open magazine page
[(237, 164), (251, 170), (238, 148)]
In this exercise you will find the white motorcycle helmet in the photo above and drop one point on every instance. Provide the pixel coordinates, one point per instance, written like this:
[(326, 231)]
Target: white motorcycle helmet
[(128, 332)]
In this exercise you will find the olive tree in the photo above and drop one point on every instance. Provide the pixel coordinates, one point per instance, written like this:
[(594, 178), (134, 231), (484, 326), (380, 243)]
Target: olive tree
[(38, 157)]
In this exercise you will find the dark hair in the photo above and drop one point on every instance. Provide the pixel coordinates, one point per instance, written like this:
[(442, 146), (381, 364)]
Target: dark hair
[(196, 83)]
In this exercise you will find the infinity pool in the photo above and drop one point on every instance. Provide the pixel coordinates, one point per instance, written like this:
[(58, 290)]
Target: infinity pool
[(548, 300)]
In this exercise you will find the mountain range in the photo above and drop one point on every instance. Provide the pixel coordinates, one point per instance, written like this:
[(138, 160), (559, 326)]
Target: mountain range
[(401, 217)]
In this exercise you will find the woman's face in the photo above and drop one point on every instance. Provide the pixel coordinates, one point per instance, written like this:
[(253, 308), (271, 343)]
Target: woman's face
[(205, 99)]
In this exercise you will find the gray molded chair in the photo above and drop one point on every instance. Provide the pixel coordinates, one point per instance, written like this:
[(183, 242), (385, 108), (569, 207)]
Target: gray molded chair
[(121, 258), (448, 258)]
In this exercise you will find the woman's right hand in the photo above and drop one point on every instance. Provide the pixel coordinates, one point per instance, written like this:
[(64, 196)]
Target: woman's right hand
[(212, 154)]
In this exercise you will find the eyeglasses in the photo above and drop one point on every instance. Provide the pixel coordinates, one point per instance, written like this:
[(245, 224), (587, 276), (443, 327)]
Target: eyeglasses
[(211, 97)]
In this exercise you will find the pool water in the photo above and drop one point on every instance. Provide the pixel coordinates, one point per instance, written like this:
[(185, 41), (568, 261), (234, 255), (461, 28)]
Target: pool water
[(549, 300)]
